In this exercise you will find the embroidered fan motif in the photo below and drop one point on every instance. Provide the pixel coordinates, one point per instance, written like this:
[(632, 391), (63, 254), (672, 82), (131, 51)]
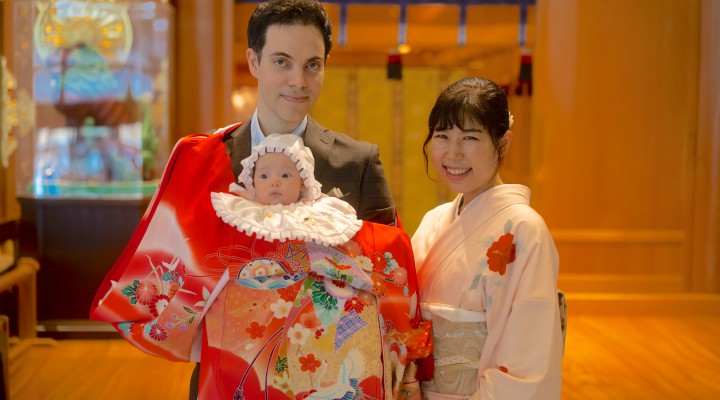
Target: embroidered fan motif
[(296, 254)]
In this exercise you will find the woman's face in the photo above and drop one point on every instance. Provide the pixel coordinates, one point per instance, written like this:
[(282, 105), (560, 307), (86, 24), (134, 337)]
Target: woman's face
[(276, 179), (466, 160)]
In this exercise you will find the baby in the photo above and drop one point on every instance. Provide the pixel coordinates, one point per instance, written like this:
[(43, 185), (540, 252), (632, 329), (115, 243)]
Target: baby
[(280, 199)]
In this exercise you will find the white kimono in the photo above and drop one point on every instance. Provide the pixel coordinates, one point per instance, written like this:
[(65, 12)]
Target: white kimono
[(488, 281)]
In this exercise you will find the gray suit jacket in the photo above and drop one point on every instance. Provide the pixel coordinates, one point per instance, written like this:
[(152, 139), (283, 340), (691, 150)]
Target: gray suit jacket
[(351, 165)]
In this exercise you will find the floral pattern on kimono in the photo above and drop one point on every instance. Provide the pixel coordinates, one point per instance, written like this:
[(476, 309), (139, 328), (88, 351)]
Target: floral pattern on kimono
[(270, 317)]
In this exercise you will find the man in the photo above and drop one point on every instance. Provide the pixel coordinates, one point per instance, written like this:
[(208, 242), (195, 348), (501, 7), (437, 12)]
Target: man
[(289, 41)]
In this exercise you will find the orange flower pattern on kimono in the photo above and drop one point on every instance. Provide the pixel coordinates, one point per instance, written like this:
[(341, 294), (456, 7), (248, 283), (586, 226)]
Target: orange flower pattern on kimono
[(501, 253), (279, 319)]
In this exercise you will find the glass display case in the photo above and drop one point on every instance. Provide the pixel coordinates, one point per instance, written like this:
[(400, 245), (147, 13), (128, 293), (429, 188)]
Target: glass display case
[(95, 77), (98, 74)]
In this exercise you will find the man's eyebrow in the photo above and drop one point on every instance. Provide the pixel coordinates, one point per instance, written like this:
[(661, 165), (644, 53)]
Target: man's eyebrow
[(286, 55), (281, 54)]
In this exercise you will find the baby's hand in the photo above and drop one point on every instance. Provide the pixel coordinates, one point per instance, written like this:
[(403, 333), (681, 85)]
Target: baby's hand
[(241, 191)]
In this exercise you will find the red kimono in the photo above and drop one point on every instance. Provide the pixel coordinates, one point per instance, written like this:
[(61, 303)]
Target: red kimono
[(275, 319)]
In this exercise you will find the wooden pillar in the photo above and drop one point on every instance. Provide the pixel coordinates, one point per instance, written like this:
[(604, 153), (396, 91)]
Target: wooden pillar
[(4, 183), (8, 203), (705, 248), (5, 26), (397, 144), (204, 60), (2, 27)]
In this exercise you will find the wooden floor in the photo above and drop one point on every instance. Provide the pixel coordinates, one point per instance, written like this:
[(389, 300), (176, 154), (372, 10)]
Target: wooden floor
[(606, 357)]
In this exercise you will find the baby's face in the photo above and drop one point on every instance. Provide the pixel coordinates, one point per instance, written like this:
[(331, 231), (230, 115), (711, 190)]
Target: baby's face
[(276, 179)]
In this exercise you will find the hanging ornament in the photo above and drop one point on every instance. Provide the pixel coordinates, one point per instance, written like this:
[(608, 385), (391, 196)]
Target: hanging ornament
[(525, 79), (394, 65)]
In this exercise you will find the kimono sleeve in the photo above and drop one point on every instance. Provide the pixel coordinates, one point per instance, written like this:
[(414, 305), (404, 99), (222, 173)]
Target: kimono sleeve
[(523, 353), (147, 295), (408, 339)]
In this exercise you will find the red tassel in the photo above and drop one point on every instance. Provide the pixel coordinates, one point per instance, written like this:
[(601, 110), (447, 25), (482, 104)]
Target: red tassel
[(394, 66), (425, 368), (525, 78)]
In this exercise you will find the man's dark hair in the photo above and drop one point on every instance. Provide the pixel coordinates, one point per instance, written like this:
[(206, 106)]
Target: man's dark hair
[(287, 12)]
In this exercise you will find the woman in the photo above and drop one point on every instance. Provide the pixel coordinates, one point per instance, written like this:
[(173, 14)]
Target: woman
[(487, 265)]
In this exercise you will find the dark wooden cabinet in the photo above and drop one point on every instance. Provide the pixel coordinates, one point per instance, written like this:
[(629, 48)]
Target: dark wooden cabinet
[(76, 242)]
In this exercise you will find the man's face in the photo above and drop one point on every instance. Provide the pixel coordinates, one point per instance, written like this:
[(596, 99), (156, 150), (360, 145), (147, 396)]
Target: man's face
[(289, 71)]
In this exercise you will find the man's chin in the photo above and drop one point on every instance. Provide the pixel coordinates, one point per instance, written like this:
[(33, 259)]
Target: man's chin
[(295, 113)]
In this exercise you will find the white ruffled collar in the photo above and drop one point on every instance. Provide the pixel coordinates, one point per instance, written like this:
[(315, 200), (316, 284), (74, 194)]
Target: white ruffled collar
[(327, 220)]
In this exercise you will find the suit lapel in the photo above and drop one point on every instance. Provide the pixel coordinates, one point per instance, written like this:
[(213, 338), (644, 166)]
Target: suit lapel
[(240, 150), (320, 142)]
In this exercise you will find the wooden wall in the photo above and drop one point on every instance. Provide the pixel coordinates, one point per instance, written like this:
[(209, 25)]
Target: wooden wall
[(614, 131), (705, 234)]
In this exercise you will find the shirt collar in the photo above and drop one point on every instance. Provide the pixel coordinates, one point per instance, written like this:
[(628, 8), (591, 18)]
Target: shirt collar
[(257, 134)]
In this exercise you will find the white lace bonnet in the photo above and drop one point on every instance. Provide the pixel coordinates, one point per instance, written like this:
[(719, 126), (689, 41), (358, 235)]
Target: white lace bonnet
[(293, 147)]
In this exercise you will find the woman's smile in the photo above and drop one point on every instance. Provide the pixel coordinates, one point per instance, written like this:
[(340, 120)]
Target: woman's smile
[(454, 171)]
